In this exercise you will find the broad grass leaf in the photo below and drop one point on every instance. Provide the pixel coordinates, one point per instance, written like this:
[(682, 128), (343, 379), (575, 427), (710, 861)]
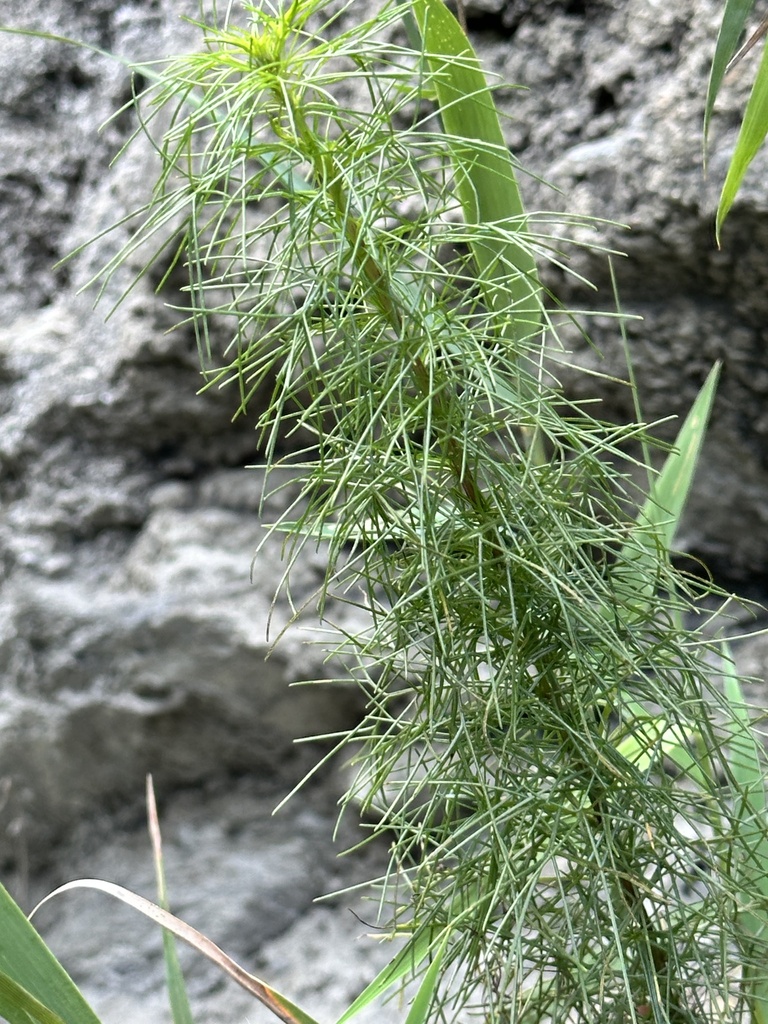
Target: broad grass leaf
[(752, 134), (665, 505), (18, 1006), (660, 516), (422, 1001), (26, 962), (735, 16), (649, 737), (485, 175)]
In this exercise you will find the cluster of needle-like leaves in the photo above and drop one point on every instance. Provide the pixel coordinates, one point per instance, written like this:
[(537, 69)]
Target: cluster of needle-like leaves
[(541, 742)]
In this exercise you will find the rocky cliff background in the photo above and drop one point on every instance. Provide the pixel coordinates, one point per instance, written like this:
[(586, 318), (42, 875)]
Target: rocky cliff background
[(132, 633)]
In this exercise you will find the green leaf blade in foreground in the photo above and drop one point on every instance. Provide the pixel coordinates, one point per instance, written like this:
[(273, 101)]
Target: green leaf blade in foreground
[(669, 494), (17, 1006), (735, 17), (485, 175), (27, 962), (422, 1001), (752, 134), (402, 964)]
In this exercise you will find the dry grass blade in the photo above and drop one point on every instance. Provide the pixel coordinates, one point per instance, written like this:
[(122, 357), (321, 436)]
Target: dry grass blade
[(177, 990), (283, 1008), (754, 39)]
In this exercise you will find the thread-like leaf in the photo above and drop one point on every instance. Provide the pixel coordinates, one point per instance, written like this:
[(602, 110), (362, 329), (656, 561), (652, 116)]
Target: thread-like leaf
[(750, 860)]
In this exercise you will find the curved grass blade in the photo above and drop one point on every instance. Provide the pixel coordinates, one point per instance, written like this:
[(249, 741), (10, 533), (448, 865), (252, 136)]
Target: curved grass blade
[(177, 989), (283, 1008), (752, 134), (735, 17), (485, 175), (26, 962)]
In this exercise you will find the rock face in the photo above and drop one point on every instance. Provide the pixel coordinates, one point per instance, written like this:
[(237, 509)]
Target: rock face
[(132, 637), (613, 117)]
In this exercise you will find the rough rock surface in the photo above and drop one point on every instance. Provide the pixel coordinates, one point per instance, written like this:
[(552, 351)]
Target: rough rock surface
[(131, 635), (612, 117), (239, 874)]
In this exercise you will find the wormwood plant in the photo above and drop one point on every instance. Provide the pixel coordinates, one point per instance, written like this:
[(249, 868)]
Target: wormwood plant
[(565, 773), (543, 743)]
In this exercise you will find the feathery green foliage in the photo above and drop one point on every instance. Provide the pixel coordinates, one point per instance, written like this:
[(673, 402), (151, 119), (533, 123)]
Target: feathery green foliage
[(528, 678), (545, 744)]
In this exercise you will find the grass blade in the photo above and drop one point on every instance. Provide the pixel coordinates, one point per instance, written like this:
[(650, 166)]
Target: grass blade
[(485, 175), (752, 134), (735, 17), (423, 998), (669, 493), (29, 966), (659, 518), (177, 989), (283, 1008), (401, 965), (18, 1006)]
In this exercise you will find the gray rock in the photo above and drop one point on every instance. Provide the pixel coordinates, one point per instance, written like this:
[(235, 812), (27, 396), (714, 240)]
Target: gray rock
[(612, 117), (247, 880)]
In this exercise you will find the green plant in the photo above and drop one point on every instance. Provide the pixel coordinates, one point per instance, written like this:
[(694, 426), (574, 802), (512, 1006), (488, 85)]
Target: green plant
[(572, 801), (755, 124)]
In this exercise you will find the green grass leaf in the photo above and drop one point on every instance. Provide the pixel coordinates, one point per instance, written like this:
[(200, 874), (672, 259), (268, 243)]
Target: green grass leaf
[(28, 966), (398, 968), (665, 505), (735, 17), (660, 516), (18, 1006), (485, 174), (652, 735), (422, 1001), (752, 134)]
